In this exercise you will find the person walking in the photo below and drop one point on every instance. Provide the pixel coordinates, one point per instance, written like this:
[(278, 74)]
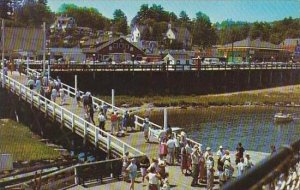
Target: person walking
[(171, 150), (202, 169), (146, 126), (220, 152), (184, 161), (38, 85), (210, 172), (101, 119), (144, 164), (62, 96), (113, 120), (239, 153), (125, 120), (248, 162), (240, 167), (163, 148), (53, 94), (153, 179), (125, 164), (228, 171), (91, 114), (132, 170), (195, 165), (78, 99)]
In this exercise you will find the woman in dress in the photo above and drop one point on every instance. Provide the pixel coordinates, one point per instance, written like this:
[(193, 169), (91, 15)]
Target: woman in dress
[(184, 161)]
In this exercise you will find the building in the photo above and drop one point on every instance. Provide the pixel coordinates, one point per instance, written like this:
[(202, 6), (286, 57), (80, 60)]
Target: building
[(252, 51), (117, 50), (293, 46), (179, 35), (136, 33), (178, 57), (62, 23), (69, 55)]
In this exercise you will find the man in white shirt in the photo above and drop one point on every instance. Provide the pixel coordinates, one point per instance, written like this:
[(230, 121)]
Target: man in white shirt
[(195, 156), (101, 119), (240, 167), (248, 162), (171, 150), (220, 152)]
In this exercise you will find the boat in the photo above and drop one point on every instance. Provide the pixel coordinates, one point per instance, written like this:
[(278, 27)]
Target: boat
[(283, 118)]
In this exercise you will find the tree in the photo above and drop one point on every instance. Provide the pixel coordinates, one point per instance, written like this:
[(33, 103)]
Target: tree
[(34, 14), (203, 33), (120, 21), (183, 17), (86, 17)]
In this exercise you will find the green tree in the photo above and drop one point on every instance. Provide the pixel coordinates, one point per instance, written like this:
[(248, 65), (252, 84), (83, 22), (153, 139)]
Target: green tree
[(120, 21), (183, 17), (204, 34), (86, 17)]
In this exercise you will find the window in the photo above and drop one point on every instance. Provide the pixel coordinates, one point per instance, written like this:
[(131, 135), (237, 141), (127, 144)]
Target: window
[(127, 46), (115, 45), (187, 62), (131, 48), (121, 45), (110, 48)]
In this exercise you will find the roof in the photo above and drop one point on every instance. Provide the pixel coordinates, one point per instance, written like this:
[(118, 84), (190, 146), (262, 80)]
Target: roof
[(257, 43), (23, 39)]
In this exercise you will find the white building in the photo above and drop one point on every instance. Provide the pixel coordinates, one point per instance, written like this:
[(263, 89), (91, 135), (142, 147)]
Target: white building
[(62, 23)]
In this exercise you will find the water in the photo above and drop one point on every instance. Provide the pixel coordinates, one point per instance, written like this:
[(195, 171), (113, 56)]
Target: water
[(255, 132)]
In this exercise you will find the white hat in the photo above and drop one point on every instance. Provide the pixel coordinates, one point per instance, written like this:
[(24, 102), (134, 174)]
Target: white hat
[(208, 149), (220, 147), (147, 120)]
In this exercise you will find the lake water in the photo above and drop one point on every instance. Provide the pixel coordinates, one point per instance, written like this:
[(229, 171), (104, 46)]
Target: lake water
[(256, 131)]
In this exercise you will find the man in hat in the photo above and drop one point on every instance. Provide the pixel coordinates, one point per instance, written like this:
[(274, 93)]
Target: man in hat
[(220, 152), (195, 156), (226, 156), (207, 153)]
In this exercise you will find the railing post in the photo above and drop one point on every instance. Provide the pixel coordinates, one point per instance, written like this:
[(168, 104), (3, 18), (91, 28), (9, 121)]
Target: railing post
[(73, 123), (96, 136), (62, 116), (108, 141), (14, 86), (85, 132), (135, 121), (124, 149), (69, 90), (165, 119), (113, 99), (46, 107), (53, 111), (76, 176), (39, 101), (31, 98)]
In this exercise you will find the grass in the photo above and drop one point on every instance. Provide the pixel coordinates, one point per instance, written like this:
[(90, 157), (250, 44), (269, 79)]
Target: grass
[(16, 139), (267, 97), (182, 117)]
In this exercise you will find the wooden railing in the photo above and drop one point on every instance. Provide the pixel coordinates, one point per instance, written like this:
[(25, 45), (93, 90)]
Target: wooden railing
[(73, 175), (87, 130), (138, 121), (162, 67)]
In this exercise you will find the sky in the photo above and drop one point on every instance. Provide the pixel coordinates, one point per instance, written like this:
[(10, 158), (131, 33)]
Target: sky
[(217, 10)]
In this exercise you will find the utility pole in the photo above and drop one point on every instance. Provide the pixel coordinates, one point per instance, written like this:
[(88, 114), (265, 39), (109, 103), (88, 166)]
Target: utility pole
[(2, 39), (44, 47)]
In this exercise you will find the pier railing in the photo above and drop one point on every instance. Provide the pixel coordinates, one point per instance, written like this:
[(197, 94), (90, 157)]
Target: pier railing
[(87, 130), (280, 171), (162, 67), (138, 121), (74, 175)]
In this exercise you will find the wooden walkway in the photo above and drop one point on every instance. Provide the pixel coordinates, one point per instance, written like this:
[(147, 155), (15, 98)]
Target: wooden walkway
[(133, 142)]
